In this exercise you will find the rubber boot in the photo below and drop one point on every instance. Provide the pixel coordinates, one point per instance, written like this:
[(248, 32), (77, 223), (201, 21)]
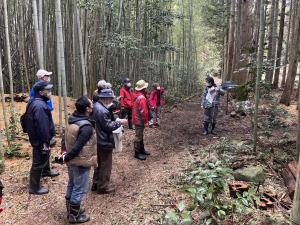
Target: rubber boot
[(82, 210), (47, 172), (75, 216), (213, 126), (205, 128), (34, 183), (137, 151), (143, 151)]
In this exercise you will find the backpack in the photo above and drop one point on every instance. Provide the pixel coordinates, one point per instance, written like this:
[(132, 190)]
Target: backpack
[(26, 118)]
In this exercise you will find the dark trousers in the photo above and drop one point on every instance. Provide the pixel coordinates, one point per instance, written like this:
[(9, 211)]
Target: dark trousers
[(139, 138), (40, 158), (103, 171), (127, 112)]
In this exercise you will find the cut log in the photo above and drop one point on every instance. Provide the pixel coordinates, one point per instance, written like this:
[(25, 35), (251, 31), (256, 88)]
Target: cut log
[(289, 182), (293, 168)]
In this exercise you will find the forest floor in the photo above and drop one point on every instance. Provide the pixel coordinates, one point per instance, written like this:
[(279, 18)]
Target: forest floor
[(144, 189)]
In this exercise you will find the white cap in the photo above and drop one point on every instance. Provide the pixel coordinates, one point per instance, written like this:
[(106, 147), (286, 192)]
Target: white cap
[(101, 84), (41, 73)]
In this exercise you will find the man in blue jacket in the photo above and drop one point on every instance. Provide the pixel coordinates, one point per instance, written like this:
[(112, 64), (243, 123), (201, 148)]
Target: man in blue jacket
[(41, 130)]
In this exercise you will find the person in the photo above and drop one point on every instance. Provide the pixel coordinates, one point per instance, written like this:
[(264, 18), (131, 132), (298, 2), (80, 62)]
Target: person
[(126, 101), (45, 76), (210, 104), (42, 75), (140, 119), (102, 84), (1, 194), (105, 142), (79, 147), (41, 130), (156, 101)]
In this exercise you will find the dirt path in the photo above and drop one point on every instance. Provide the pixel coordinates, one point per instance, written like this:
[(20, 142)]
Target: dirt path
[(143, 188)]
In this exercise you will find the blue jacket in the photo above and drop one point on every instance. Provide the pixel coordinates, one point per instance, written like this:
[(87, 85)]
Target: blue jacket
[(104, 126), (42, 128), (32, 96)]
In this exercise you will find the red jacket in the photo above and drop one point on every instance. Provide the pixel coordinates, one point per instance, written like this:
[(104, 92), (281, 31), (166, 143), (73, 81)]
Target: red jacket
[(126, 97), (153, 97), (140, 109)]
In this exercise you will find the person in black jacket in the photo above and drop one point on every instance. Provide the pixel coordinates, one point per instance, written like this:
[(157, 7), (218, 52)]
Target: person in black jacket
[(40, 131), (105, 142)]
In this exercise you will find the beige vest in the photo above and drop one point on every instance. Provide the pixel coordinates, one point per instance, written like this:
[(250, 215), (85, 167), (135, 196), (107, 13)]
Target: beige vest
[(88, 155)]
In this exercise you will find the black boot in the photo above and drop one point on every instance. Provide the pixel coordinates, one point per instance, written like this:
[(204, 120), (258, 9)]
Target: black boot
[(213, 126), (143, 151), (75, 216), (82, 210), (94, 187), (47, 172), (205, 128), (137, 151), (34, 183)]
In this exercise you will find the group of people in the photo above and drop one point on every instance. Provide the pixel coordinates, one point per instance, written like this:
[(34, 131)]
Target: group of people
[(88, 137)]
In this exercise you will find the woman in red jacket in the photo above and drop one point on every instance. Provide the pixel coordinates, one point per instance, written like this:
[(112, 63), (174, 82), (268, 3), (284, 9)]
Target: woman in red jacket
[(156, 101), (140, 119), (126, 101)]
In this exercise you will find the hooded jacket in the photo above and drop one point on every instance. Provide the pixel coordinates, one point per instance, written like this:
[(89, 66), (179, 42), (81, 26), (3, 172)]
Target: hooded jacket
[(80, 141), (156, 98), (140, 109), (41, 129), (216, 101), (104, 126), (126, 97)]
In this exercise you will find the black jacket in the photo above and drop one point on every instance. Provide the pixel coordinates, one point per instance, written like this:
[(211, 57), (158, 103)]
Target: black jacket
[(83, 137), (41, 129), (104, 126)]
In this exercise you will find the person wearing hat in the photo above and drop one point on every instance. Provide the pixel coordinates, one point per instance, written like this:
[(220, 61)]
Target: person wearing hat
[(105, 142), (126, 101), (140, 119), (156, 101), (45, 76), (41, 130), (102, 84), (42, 75)]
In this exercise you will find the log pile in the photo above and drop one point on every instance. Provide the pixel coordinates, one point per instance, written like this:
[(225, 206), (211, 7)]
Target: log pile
[(17, 98)]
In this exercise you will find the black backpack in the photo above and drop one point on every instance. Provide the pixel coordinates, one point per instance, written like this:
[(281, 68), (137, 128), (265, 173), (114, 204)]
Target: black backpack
[(26, 118)]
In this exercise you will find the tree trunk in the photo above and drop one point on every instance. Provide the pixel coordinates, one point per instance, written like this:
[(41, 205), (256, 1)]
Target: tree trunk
[(40, 24), (3, 102), (37, 34), (61, 54), (295, 36), (82, 58), (280, 41), (287, 46), (259, 66), (10, 73), (230, 65), (271, 40)]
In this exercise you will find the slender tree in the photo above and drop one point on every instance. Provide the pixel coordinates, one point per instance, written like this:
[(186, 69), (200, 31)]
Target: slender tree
[(11, 84), (280, 42), (261, 22), (230, 62), (61, 54), (37, 33)]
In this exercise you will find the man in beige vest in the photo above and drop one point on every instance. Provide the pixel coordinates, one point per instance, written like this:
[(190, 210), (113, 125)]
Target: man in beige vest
[(79, 145)]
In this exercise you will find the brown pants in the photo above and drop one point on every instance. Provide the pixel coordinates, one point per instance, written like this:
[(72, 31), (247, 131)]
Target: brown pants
[(103, 171), (139, 138)]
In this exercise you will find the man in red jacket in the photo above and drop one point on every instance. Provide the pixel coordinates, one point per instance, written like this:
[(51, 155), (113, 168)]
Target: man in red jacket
[(126, 101), (140, 119), (156, 101)]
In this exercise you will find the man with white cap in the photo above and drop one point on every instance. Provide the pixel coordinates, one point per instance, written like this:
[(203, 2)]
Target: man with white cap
[(42, 75), (45, 76), (140, 118)]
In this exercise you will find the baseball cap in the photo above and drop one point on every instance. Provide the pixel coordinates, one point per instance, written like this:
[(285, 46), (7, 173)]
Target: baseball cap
[(40, 86), (41, 73)]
